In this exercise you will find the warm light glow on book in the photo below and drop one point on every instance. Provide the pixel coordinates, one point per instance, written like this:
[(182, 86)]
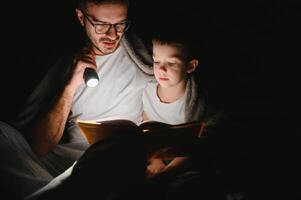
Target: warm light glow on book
[(87, 121)]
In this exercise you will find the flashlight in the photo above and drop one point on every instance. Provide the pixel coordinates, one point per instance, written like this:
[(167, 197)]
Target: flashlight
[(91, 77)]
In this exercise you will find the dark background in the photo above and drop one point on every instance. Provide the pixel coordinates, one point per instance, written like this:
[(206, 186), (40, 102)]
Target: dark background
[(249, 64), (249, 56)]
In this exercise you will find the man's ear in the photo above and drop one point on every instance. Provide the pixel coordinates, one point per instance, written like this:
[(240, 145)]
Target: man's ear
[(80, 16), (192, 65)]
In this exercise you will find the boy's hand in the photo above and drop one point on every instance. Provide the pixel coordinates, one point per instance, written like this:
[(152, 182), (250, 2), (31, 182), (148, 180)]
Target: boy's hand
[(156, 166)]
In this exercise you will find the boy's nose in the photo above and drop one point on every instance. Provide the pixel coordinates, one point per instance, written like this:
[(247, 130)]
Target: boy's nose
[(163, 68)]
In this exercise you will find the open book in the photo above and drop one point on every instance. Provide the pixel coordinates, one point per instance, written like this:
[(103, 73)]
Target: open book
[(156, 134)]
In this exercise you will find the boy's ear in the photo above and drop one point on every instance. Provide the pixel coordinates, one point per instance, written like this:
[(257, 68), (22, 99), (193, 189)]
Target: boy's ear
[(80, 16), (192, 65)]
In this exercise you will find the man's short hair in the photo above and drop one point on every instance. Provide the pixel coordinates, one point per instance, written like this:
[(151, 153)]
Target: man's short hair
[(82, 4)]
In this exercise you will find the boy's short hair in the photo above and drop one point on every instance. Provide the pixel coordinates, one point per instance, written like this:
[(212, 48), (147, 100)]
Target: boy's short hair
[(178, 36), (82, 4)]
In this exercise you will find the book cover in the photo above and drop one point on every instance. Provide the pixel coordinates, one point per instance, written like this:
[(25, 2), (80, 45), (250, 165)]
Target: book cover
[(156, 135)]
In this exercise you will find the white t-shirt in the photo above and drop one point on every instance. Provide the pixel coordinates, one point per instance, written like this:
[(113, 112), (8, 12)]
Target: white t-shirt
[(171, 113), (119, 92)]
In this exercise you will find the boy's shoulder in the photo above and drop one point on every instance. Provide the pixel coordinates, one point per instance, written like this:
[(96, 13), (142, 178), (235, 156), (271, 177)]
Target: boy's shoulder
[(150, 88)]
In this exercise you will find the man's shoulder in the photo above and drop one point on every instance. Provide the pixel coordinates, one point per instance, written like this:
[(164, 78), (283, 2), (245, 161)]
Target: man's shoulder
[(139, 43), (138, 51)]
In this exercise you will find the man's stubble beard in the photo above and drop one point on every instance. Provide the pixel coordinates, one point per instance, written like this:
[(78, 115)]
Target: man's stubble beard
[(104, 51)]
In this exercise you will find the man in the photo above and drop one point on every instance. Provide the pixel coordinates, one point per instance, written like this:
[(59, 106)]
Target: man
[(48, 122)]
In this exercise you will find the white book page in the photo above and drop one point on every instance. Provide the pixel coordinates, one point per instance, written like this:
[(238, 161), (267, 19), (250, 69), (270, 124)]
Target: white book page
[(98, 121)]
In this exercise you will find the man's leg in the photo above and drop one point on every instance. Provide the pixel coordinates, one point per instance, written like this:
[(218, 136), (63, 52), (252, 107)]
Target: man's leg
[(21, 172), (113, 168)]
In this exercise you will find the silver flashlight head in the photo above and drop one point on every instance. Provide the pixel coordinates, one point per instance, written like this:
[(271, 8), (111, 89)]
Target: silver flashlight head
[(91, 77)]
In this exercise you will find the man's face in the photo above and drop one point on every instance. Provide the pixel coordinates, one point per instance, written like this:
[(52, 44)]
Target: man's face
[(108, 42)]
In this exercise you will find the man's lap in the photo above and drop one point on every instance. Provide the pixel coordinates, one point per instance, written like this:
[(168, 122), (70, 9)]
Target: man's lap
[(22, 172), (20, 169)]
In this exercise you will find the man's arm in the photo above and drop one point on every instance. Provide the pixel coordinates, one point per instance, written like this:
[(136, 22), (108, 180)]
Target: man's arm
[(49, 129)]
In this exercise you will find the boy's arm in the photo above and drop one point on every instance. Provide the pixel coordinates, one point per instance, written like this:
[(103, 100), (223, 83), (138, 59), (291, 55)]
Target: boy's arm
[(177, 163), (144, 116), (173, 168)]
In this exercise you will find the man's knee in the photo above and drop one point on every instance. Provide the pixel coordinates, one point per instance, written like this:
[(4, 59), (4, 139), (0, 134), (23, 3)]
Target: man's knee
[(116, 165)]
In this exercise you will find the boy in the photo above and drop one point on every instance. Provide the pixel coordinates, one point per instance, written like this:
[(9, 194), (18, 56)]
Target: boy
[(174, 97)]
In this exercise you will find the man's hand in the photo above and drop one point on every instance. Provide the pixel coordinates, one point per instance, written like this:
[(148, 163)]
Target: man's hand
[(83, 59)]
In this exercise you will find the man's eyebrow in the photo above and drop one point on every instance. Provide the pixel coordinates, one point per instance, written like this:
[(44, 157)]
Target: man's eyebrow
[(103, 22)]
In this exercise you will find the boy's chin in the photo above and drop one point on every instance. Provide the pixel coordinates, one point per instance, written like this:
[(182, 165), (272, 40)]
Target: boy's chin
[(165, 85)]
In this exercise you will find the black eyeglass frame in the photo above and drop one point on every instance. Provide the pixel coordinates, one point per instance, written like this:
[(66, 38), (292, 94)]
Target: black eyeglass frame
[(127, 25)]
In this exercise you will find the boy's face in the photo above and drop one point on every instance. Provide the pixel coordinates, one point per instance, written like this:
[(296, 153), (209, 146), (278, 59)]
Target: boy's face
[(104, 43), (169, 69)]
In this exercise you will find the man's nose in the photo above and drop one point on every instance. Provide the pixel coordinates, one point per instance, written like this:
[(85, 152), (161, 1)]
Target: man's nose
[(112, 33)]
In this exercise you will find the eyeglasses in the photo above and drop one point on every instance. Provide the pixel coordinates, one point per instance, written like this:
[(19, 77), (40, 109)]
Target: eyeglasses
[(102, 28)]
